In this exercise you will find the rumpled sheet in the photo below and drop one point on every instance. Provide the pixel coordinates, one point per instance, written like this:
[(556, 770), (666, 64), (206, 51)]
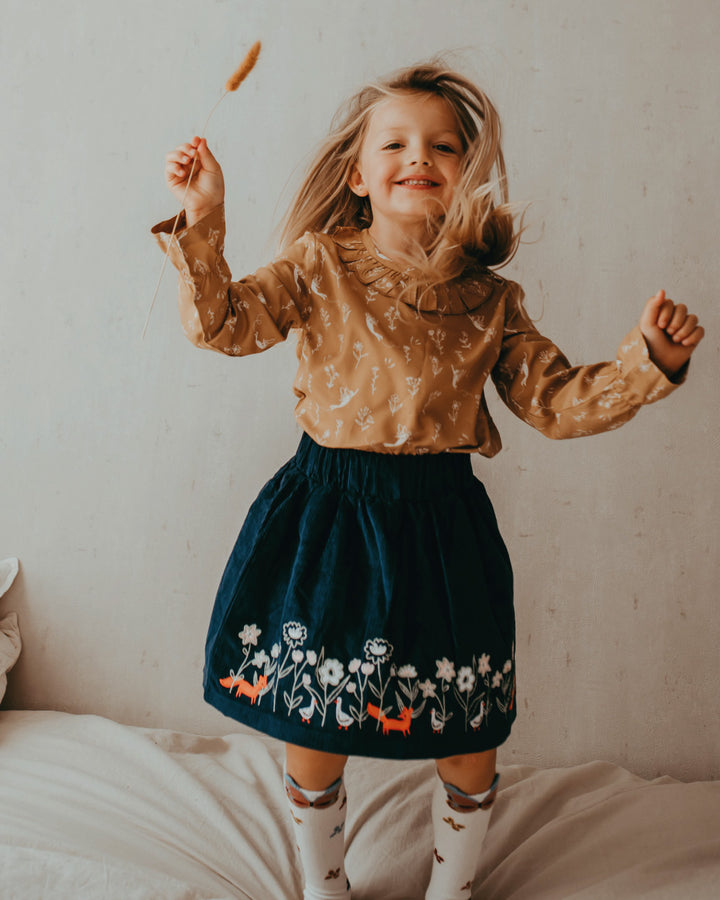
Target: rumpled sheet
[(93, 809)]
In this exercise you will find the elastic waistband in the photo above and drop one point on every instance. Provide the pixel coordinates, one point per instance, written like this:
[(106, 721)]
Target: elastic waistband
[(384, 474)]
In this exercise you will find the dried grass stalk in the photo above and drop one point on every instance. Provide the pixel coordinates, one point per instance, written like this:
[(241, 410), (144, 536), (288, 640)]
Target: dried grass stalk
[(232, 84), (244, 69)]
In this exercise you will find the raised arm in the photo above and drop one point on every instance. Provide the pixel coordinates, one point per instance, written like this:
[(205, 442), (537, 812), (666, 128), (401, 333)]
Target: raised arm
[(232, 317), (539, 385)]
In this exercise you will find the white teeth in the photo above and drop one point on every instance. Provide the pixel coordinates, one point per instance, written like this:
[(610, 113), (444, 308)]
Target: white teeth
[(417, 181)]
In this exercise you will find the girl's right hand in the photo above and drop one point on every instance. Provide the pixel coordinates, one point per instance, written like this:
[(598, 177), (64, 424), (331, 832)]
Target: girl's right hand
[(207, 186)]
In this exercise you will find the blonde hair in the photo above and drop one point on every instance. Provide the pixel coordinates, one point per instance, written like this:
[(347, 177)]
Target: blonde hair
[(477, 228)]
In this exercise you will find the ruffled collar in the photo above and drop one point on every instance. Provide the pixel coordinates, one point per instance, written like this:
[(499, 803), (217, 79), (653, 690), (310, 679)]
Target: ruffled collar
[(358, 252)]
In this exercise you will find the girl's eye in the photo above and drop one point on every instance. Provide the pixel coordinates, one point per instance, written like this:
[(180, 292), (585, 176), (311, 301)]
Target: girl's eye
[(393, 145), (445, 148)]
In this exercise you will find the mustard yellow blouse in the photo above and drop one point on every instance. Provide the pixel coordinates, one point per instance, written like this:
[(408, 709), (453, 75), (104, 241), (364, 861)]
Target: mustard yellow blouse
[(384, 366)]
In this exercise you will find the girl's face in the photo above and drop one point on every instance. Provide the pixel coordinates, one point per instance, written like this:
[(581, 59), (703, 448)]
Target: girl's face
[(409, 165)]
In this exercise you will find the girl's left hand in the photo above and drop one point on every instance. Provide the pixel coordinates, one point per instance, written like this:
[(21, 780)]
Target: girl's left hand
[(671, 334)]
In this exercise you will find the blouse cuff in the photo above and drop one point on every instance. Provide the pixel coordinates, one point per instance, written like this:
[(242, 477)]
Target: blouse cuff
[(640, 372), (208, 231)]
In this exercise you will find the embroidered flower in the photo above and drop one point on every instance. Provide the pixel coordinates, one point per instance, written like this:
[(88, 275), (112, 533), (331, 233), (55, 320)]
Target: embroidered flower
[(378, 650), (407, 672), (306, 679), (331, 672), (294, 634), (367, 668), (484, 665), (311, 656), (260, 659), (353, 666), (250, 635), (507, 667), (427, 688), (275, 652), (350, 687), (445, 669), (465, 679), (297, 656), (497, 679)]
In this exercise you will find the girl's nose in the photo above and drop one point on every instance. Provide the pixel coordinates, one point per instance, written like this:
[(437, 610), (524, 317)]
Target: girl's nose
[(419, 156)]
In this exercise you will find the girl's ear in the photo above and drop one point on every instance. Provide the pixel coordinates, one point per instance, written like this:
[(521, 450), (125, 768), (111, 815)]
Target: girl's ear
[(356, 183)]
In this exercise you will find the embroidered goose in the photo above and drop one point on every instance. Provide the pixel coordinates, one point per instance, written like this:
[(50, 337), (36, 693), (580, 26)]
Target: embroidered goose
[(343, 719), (477, 721), (438, 725), (307, 712)]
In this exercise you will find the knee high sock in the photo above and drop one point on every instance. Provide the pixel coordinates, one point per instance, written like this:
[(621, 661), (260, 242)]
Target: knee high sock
[(459, 835), (320, 836)]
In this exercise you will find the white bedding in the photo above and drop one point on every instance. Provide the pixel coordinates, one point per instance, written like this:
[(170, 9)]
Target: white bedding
[(93, 809)]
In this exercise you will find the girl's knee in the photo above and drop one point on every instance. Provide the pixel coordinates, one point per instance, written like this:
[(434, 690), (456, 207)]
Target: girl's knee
[(471, 772), (314, 770)]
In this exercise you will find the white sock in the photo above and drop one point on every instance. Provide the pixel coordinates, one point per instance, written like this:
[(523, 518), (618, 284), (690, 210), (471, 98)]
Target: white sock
[(320, 836), (458, 839)]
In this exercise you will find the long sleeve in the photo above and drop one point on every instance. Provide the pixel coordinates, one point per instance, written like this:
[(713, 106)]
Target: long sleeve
[(236, 317), (540, 386)]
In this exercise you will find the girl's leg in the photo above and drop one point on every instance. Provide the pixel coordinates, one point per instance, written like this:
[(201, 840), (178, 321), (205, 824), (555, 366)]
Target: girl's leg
[(313, 769), (318, 804), (471, 772), (461, 807)]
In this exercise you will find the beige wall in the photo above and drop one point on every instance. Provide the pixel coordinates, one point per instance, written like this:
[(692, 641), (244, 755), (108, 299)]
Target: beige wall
[(127, 466)]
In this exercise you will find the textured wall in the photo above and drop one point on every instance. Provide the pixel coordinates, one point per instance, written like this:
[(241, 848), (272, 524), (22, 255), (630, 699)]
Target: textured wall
[(127, 466)]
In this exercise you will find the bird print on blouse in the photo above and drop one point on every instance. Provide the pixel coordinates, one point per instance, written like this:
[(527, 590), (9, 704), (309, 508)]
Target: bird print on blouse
[(389, 365)]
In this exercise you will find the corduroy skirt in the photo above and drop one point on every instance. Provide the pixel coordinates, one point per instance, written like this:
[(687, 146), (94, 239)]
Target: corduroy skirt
[(367, 609)]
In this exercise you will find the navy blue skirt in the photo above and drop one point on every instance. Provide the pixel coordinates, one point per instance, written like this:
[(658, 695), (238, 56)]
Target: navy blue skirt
[(367, 609)]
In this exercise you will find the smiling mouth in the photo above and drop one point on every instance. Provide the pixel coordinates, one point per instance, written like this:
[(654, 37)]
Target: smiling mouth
[(417, 182)]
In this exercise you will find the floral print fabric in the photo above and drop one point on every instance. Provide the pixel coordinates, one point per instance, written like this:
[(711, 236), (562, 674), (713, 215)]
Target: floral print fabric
[(384, 365), (367, 691)]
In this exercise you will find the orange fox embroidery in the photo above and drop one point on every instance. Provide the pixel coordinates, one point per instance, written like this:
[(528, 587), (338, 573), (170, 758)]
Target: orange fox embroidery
[(244, 687), (402, 723)]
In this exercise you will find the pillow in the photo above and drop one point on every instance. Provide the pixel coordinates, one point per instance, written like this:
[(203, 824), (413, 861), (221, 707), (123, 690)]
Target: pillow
[(8, 571), (10, 643), (9, 648)]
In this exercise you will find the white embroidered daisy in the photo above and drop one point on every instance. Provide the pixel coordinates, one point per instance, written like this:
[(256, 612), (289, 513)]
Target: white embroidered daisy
[(465, 680), (331, 672), (378, 650), (484, 664), (445, 669), (294, 634), (407, 672), (250, 635)]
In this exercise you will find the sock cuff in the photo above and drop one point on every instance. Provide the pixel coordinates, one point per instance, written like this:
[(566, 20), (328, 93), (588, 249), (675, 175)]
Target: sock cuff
[(462, 802), (303, 797)]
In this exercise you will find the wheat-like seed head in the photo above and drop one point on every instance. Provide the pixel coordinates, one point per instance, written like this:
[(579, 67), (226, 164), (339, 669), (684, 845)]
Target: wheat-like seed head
[(244, 69)]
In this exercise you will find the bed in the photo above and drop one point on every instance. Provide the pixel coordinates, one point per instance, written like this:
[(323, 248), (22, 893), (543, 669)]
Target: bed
[(90, 808)]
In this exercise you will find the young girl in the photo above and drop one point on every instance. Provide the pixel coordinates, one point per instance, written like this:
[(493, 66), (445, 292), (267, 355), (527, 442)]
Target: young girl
[(367, 606)]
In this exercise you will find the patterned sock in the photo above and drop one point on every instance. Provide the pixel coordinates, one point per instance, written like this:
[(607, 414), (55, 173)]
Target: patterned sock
[(460, 822), (319, 823)]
